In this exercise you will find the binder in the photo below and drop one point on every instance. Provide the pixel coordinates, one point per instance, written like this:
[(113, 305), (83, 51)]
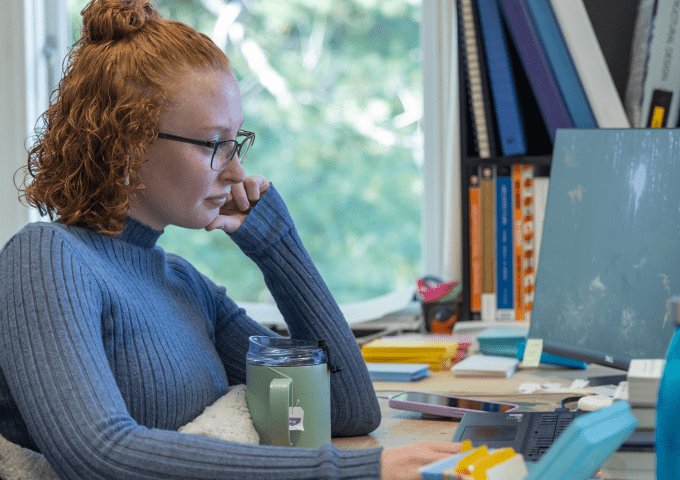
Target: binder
[(590, 64), (558, 56), (638, 62), (477, 88), (536, 66), (506, 105), (661, 90)]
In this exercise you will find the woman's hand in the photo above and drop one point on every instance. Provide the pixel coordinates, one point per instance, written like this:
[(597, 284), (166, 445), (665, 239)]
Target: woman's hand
[(242, 197), (402, 463)]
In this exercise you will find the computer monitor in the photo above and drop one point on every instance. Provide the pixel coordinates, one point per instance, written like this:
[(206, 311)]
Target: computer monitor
[(609, 258)]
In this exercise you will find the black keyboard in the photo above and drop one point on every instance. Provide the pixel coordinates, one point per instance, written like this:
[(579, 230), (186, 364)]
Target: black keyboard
[(528, 433)]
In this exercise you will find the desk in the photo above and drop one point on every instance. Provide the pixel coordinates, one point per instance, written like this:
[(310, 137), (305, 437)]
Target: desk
[(400, 427)]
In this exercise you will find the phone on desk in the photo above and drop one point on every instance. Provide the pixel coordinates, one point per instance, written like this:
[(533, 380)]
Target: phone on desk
[(445, 405)]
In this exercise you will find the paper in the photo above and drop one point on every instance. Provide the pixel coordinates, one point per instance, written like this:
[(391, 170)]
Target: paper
[(532, 353)]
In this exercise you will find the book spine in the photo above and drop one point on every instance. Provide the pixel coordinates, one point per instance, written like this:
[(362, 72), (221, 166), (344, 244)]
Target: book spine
[(558, 56), (475, 247), (590, 63), (638, 62), (540, 191), (476, 98), (518, 237), (661, 90), (528, 271), (506, 104), (505, 291), (536, 66), (488, 256)]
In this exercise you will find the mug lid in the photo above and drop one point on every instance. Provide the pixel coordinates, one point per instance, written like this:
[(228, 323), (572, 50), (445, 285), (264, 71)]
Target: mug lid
[(284, 352)]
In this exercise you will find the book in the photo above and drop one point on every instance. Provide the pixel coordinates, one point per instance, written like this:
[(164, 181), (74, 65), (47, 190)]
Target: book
[(477, 89), (559, 59), (505, 291), (486, 366), (646, 417), (501, 341), (550, 358), (644, 376), (506, 104), (475, 246), (397, 372), (638, 62), (438, 354), (661, 89), (590, 63), (535, 64), (528, 241), (518, 241), (630, 465), (488, 249)]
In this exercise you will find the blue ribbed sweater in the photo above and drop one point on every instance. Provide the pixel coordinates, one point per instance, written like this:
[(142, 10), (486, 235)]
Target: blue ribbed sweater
[(109, 344)]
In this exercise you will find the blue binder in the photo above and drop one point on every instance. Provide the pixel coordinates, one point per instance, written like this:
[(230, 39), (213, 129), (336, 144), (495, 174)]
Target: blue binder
[(535, 62), (503, 91), (558, 56)]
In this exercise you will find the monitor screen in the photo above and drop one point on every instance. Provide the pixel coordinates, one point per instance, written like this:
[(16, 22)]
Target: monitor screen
[(609, 258)]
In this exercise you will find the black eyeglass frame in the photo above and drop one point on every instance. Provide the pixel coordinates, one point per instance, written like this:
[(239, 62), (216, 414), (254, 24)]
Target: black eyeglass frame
[(250, 137)]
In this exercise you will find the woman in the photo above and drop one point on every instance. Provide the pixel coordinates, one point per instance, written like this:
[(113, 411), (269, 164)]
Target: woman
[(109, 344)]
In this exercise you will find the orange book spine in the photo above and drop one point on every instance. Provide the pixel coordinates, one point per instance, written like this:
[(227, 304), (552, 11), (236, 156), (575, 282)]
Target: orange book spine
[(475, 246), (518, 240), (528, 238)]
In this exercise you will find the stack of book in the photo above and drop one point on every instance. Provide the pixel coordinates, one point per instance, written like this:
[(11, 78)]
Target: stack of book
[(437, 351), (637, 462), (501, 341)]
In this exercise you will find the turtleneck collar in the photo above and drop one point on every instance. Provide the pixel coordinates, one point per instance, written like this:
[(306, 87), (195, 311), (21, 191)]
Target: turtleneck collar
[(139, 234)]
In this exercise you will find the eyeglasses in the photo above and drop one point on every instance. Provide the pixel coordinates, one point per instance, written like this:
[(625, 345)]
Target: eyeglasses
[(223, 151)]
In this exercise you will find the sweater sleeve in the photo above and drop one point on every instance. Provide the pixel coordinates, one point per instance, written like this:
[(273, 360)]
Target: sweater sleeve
[(269, 238), (52, 356)]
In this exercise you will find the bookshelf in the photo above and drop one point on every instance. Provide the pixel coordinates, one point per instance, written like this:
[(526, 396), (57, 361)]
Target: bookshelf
[(613, 22)]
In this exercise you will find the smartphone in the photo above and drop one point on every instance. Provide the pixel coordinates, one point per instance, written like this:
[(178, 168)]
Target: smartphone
[(446, 406)]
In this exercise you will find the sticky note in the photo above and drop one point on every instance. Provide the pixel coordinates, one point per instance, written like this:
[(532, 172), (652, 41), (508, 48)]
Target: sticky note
[(532, 352)]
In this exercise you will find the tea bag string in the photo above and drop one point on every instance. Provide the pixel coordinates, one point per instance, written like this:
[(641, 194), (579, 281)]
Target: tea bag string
[(292, 383)]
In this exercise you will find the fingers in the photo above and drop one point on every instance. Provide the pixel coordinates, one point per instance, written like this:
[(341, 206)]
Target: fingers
[(249, 191)]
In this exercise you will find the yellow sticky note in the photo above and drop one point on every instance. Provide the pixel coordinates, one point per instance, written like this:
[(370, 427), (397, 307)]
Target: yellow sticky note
[(532, 352)]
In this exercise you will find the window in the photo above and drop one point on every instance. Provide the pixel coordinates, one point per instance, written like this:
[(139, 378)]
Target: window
[(333, 91)]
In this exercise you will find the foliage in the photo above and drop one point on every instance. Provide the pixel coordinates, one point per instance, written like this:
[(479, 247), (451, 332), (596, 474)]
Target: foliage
[(333, 90)]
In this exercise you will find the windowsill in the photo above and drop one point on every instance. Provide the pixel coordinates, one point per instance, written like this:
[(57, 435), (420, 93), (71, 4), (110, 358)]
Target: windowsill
[(354, 312)]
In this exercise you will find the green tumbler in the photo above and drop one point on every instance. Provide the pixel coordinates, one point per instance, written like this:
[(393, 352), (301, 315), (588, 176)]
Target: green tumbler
[(288, 391)]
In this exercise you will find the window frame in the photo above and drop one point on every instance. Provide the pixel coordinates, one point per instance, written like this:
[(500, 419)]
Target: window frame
[(34, 62)]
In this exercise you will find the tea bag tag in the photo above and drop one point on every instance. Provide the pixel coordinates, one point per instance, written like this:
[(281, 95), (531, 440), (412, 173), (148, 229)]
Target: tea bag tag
[(295, 418)]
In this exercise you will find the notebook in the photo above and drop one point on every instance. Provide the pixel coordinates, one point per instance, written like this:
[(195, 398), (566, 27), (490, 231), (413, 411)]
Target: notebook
[(488, 366)]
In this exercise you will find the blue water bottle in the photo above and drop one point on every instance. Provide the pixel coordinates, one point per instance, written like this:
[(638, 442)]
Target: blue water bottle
[(668, 407)]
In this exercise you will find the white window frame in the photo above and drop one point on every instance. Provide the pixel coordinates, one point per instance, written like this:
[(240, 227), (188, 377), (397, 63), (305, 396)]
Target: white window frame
[(36, 40)]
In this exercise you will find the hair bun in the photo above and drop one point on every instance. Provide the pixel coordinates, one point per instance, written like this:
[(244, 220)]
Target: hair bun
[(107, 20)]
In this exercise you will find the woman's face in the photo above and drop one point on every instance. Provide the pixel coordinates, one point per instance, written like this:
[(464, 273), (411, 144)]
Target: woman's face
[(180, 186)]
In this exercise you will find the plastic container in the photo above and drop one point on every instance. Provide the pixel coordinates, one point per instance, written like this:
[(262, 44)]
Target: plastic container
[(275, 351)]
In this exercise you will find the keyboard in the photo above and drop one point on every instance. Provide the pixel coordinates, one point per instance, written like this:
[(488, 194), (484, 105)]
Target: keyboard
[(528, 433)]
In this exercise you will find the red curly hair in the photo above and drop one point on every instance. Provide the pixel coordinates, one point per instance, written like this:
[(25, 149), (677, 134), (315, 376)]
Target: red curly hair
[(85, 161)]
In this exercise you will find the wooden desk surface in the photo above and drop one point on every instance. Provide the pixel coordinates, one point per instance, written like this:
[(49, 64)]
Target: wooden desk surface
[(400, 427)]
